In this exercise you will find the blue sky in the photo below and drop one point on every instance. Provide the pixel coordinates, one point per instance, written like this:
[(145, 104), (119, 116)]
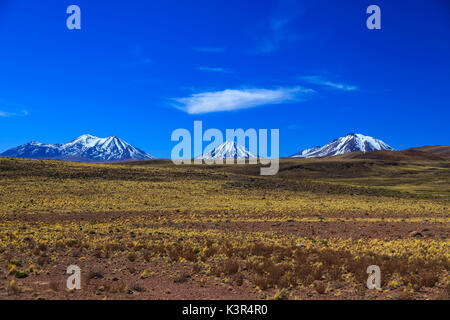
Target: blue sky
[(141, 69)]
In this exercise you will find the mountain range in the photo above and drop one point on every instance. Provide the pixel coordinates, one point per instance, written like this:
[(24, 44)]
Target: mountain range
[(86, 148)]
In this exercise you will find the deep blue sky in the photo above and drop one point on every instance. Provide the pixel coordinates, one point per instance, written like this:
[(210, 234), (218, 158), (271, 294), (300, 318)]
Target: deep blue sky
[(119, 74)]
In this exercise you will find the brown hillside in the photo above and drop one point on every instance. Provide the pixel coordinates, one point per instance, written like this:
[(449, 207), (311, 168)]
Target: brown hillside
[(441, 151), (403, 155)]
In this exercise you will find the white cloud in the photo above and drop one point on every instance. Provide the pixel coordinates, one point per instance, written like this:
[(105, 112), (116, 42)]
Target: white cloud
[(10, 114), (318, 80), (211, 69), (209, 49), (229, 99)]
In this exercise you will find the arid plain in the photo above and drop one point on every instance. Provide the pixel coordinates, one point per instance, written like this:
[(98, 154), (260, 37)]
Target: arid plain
[(153, 230)]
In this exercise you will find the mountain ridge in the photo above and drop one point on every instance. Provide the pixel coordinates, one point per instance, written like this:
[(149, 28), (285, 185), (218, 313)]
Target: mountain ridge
[(85, 148)]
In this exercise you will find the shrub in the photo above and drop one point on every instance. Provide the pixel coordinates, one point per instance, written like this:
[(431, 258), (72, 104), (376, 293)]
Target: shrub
[(320, 287), (181, 278), (230, 267), (132, 257), (137, 287)]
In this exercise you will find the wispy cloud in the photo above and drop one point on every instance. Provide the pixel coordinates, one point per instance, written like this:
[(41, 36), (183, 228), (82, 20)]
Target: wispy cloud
[(279, 22), (4, 114), (209, 49), (278, 30), (319, 80), (138, 59), (212, 69), (277, 34), (229, 99)]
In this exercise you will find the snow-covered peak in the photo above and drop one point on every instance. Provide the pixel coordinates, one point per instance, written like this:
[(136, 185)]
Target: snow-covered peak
[(86, 136), (228, 149), (86, 140), (350, 143), (35, 143), (84, 148)]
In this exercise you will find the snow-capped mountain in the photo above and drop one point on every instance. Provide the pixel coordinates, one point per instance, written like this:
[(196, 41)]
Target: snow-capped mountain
[(228, 149), (305, 152), (85, 148), (350, 143)]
